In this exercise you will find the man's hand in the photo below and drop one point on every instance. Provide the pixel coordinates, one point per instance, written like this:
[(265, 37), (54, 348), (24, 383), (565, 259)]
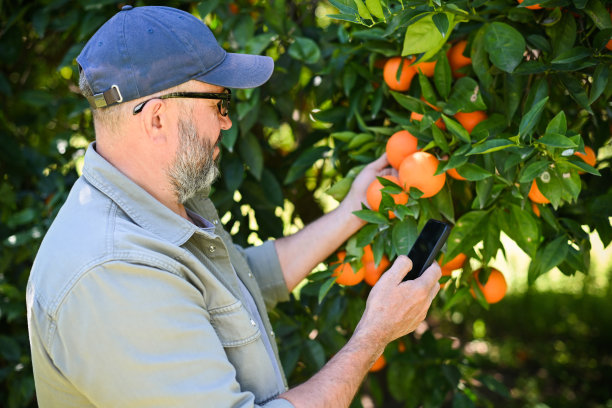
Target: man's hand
[(395, 308), (357, 193)]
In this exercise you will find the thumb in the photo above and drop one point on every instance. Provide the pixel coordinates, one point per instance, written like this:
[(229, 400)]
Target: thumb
[(399, 269)]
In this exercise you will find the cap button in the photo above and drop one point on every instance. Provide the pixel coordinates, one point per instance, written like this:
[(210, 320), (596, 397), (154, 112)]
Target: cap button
[(127, 7)]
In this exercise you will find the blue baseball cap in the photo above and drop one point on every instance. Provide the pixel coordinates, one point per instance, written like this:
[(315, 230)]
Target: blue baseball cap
[(143, 50)]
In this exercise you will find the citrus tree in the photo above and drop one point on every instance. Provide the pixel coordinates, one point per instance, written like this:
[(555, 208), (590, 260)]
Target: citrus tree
[(483, 107)]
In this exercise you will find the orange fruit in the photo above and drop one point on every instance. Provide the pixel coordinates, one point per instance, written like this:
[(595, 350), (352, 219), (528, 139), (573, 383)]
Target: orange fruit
[(234, 8), (445, 272), (379, 364), (609, 44), (372, 273), (456, 58), (535, 209), (532, 7), (455, 263), (399, 146), (344, 273), (374, 196), (426, 68), (455, 174), (588, 156), (417, 170), (536, 196), (390, 73), (469, 120), (401, 346), (368, 255), (495, 288)]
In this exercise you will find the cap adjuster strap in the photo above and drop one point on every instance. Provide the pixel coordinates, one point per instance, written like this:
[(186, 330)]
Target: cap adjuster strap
[(106, 98)]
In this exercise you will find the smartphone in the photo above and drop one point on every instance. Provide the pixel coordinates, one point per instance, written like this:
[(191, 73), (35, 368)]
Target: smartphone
[(427, 246)]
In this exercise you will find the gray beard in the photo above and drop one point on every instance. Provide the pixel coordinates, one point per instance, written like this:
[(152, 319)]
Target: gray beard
[(194, 168)]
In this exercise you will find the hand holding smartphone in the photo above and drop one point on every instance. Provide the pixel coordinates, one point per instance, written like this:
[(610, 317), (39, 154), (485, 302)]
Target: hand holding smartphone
[(427, 246)]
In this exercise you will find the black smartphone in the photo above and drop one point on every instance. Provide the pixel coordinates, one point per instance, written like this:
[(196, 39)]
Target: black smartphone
[(427, 246)]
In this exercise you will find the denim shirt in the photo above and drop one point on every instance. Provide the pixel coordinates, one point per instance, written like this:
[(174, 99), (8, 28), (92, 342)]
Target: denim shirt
[(131, 305)]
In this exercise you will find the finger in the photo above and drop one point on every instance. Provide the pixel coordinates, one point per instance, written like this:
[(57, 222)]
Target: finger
[(379, 164)]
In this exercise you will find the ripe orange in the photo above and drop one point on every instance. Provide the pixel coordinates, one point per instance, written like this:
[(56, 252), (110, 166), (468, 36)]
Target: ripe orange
[(417, 170), (368, 255), (535, 209), (399, 146), (495, 288), (401, 346), (469, 120), (588, 156), (345, 274), (372, 273), (374, 196), (455, 263), (536, 196), (379, 364), (455, 174), (532, 7), (456, 58), (427, 68), (234, 8), (390, 73)]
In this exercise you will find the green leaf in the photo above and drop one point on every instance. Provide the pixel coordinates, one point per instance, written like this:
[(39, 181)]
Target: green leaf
[(581, 165), (463, 293), (575, 54), (480, 60), (375, 8), (557, 140), (456, 129), (259, 43), (304, 162), (316, 352), (558, 124), (409, 102), (424, 37), (443, 77), (426, 89), (521, 226), (304, 49), (272, 188), (491, 146), (596, 10), (371, 216), (327, 285), (576, 91), (404, 234), (341, 188), (363, 10), (439, 139), (465, 97), (232, 169), (250, 151), (366, 235), (531, 118), (600, 82), (549, 256), (466, 233), (473, 172), (441, 22), (505, 46), (443, 201), (533, 170)]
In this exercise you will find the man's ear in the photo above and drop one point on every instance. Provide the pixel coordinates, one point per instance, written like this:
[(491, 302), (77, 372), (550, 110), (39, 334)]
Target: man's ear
[(155, 120)]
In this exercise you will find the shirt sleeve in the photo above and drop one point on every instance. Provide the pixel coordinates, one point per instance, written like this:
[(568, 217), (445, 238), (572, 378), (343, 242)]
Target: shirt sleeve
[(263, 261), (135, 336)]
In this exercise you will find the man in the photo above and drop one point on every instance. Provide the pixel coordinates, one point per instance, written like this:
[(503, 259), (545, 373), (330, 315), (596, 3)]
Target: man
[(137, 297)]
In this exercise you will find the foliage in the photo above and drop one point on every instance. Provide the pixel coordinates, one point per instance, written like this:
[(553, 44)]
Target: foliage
[(541, 75)]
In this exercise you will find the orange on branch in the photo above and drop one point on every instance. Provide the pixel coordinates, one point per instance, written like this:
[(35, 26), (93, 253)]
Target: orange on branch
[(374, 195), (418, 117), (399, 146), (536, 195), (372, 272), (532, 7), (469, 120), (455, 263), (368, 255), (390, 73), (455, 174), (536, 209), (456, 59), (589, 157), (426, 68), (379, 364), (417, 170), (495, 288), (344, 273)]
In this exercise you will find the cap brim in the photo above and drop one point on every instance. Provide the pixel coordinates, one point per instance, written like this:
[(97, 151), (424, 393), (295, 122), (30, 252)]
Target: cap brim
[(240, 71)]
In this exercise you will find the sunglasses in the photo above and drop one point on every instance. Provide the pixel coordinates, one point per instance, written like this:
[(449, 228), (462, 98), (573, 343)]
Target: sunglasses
[(223, 105)]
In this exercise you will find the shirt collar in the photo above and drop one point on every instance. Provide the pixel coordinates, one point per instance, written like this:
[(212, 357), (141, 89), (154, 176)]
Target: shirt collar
[(144, 209)]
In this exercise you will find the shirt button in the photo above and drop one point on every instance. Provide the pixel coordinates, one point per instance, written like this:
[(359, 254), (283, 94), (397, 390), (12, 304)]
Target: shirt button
[(211, 248), (250, 275), (215, 222), (272, 333), (253, 323)]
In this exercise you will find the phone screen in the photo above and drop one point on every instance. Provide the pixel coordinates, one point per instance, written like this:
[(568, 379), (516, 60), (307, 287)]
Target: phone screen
[(427, 246)]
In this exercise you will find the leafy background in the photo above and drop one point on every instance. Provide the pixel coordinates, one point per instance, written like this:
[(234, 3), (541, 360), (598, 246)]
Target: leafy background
[(298, 141)]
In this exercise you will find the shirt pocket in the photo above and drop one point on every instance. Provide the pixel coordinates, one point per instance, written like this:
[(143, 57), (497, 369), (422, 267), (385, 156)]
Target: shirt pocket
[(234, 326)]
